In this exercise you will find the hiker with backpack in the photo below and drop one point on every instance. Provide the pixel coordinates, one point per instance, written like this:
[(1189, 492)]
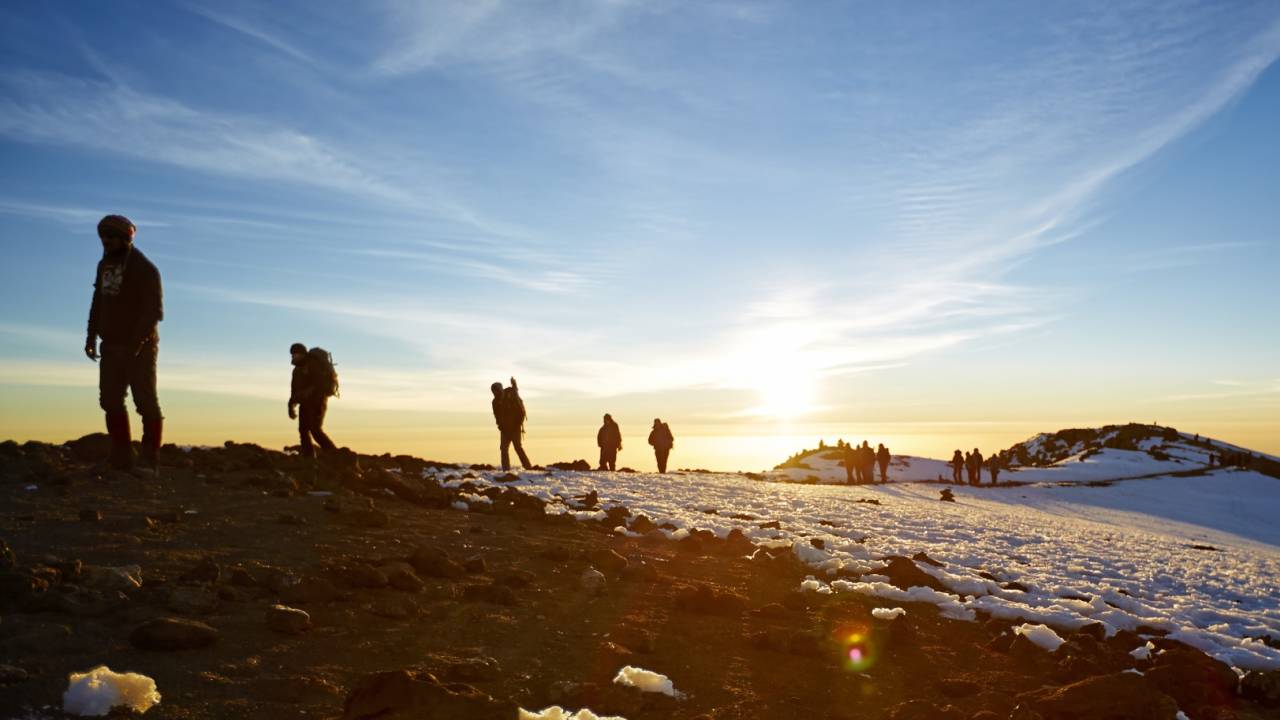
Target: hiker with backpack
[(509, 414), (993, 467), (975, 468), (662, 440), (126, 309), (314, 381), (882, 459), (609, 440), (957, 464)]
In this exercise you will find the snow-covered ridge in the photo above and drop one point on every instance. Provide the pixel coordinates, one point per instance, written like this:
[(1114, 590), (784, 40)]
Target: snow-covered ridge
[(1195, 557)]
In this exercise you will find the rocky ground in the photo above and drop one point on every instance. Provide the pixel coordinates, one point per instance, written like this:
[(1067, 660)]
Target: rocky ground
[(249, 583)]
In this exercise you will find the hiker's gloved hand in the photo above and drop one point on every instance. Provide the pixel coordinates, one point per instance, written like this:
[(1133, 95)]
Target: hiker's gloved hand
[(293, 413), (91, 349)]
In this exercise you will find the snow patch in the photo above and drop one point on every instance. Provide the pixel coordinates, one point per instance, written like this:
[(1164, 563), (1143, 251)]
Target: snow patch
[(94, 693), (888, 613), (1041, 635), (555, 712), (647, 681)]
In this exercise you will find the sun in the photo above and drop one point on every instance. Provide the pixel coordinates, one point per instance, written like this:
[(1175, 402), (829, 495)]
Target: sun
[(775, 368)]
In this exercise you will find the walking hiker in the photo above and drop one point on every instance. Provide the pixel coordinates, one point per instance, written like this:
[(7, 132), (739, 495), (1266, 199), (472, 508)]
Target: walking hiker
[(993, 467), (314, 381), (509, 414), (662, 440), (957, 463), (975, 468), (126, 309), (882, 457), (609, 440)]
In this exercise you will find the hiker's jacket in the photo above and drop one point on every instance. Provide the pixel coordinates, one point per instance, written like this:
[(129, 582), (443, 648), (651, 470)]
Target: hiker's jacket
[(127, 299), (609, 436)]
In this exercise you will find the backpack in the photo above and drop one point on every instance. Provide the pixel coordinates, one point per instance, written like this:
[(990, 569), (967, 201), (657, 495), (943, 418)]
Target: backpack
[(323, 374), (512, 408)]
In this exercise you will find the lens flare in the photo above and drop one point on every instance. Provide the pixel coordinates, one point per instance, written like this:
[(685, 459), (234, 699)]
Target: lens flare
[(859, 648)]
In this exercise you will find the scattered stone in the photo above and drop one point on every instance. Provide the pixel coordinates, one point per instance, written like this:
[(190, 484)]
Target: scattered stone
[(125, 578), (923, 710), (706, 600), (592, 581), (609, 561), (1262, 687), (369, 518), (480, 668), (90, 515), (1120, 695), (1192, 678), (771, 525), (946, 495), (903, 573), (402, 695), (394, 607), (295, 690), (402, 577), (310, 590), (172, 634), (490, 593), (957, 688), (636, 639), (242, 577), (434, 562), (287, 620), (192, 601), (475, 565)]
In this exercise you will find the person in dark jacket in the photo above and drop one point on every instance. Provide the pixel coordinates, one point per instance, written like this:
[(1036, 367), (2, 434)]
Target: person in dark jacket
[(868, 464), (126, 309), (662, 440), (882, 458), (975, 468), (509, 414), (310, 402), (957, 465), (850, 463), (993, 467), (609, 440)]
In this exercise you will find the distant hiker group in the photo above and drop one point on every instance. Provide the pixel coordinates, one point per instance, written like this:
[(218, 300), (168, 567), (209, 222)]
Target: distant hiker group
[(860, 463), (971, 464)]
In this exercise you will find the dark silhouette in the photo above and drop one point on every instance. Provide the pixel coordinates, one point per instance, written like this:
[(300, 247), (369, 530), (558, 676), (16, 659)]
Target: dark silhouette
[(314, 382), (509, 414), (609, 440), (126, 309), (957, 463), (882, 457), (993, 467), (662, 440), (850, 463), (975, 468)]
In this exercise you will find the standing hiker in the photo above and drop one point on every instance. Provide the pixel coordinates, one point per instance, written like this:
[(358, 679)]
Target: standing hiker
[(882, 457), (993, 467), (850, 463), (662, 440), (609, 440), (975, 468), (957, 463), (868, 463), (314, 381), (127, 306), (509, 414)]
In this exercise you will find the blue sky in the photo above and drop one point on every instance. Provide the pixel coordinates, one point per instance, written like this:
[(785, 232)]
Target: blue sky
[(757, 218)]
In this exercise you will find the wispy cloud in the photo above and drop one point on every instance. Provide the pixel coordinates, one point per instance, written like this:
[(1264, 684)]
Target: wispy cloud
[(251, 30)]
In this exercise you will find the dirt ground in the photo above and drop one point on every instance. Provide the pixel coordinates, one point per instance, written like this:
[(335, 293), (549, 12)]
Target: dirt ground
[(489, 610)]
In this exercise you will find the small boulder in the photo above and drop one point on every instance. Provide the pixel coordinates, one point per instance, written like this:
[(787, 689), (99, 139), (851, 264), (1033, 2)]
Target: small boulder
[(475, 565), (592, 581), (706, 600), (434, 562), (609, 561), (1119, 695), (172, 634), (402, 695), (1262, 687), (287, 620), (402, 577)]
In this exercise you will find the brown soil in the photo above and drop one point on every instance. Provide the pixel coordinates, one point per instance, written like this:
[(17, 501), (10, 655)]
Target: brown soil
[(731, 632)]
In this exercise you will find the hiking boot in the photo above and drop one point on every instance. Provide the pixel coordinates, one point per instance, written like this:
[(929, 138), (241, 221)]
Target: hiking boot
[(121, 441), (150, 454)]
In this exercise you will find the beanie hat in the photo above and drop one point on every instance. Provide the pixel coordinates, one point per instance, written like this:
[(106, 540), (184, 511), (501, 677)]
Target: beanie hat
[(297, 348), (115, 226)]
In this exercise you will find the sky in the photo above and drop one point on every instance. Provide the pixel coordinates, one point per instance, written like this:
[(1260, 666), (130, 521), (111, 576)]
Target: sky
[(764, 222)]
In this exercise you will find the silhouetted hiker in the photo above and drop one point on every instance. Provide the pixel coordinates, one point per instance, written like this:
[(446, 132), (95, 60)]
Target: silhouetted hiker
[(314, 382), (850, 463), (968, 466), (868, 463), (662, 440), (609, 439), (126, 309), (882, 457), (993, 467), (957, 463), (975, 468), (509, 414)]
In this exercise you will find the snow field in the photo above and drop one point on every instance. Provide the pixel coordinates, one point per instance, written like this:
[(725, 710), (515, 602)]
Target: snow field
[(1083, 554)]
